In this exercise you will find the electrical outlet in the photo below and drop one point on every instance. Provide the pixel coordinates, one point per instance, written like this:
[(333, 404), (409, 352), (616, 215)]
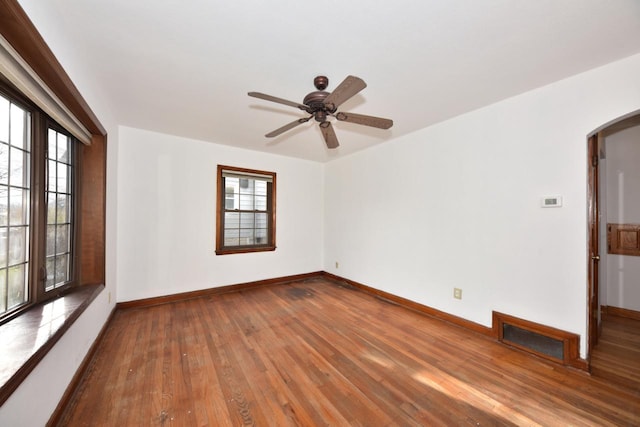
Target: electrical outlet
[(457, 293), (337, 264)]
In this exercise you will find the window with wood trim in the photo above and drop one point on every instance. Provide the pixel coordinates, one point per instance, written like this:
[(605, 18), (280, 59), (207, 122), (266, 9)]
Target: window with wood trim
[(37, 199), (246, 210)]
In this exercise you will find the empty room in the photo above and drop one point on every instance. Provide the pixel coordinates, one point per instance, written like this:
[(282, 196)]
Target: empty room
[(411, 213)]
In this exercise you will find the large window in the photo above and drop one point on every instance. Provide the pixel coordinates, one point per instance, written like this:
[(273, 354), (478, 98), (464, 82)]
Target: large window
[(36, 205), (246, 210)]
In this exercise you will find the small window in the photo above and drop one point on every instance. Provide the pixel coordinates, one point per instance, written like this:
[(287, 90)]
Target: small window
[(246, 210)]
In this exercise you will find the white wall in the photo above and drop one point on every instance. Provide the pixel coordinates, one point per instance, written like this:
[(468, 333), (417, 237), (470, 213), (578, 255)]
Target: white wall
[(458, 205), (167, 216), (623, 207)]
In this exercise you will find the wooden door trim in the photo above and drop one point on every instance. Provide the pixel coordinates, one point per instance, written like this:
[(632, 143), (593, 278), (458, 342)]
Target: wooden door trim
[(593, 157), (593, 256)]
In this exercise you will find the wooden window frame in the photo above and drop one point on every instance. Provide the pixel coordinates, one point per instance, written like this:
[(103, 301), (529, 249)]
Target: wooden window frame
[(221, 198), (40, 123), (73, 212)]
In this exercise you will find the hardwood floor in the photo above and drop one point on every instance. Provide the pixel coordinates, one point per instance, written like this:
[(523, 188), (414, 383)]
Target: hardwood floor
[(616, 357), (317, 353)]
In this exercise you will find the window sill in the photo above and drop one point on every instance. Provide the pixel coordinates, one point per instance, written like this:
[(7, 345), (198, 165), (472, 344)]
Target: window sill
[(244, 249), (25, 340)]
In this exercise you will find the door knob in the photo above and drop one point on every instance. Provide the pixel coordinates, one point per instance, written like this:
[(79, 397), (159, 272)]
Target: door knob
[(596, 257)]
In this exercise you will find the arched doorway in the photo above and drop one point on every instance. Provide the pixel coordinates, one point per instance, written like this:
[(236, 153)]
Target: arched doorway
[(617, 355)]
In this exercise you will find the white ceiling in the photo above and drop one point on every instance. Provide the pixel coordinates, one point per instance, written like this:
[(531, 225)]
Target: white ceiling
[(185, 67)]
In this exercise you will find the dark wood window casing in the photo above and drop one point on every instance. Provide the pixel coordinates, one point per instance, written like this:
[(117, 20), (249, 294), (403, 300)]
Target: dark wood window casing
[(246, 210), (38, 243)]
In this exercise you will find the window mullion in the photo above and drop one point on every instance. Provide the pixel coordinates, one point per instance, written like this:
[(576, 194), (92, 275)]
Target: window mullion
[(38, 203)]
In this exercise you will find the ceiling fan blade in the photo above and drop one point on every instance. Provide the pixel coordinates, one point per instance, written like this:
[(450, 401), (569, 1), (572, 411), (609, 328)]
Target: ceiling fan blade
[(278, 100), (287, 127), (345, 90), (329, 135), (376, 122)]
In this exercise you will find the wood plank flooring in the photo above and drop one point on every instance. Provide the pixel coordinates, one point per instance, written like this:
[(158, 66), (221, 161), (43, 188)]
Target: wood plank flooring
[(616, 357), (316, 353)]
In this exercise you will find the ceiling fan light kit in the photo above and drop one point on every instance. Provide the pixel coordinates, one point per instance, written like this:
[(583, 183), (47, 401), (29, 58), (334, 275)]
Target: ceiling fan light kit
[(320, 105)]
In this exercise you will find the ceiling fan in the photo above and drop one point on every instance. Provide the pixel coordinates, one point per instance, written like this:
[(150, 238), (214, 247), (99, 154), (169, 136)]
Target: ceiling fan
[(321, 105)]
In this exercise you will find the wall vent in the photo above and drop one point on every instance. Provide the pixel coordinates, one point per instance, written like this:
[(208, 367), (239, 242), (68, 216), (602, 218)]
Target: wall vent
[(544, 341), (533, 340)]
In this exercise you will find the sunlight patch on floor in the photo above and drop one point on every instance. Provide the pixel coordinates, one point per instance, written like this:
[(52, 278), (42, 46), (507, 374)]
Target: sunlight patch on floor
[(459, 390)]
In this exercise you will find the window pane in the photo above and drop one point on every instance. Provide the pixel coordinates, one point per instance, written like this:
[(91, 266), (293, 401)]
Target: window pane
[(4, 244), (229, 198), (18, 168), (62, 215), (62, 273), (231, 220), (17, 126), (246, 202), (62, 178), (17, 245), (4, 164), (3, 290), (4, 205), (51, 208), (261, 188), (50, 273), (261, 203), (246, 186), (261, 220), (247, 220), (246, 237), (51, 240), (4, 121), (18, 206), (63, 148), (62, 239), (52, 182), (232, 237), (17, 284), (51, 143), (261, 236)]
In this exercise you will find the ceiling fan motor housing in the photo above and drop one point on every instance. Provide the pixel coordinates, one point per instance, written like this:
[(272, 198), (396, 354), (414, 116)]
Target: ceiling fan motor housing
[(315, 100)]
